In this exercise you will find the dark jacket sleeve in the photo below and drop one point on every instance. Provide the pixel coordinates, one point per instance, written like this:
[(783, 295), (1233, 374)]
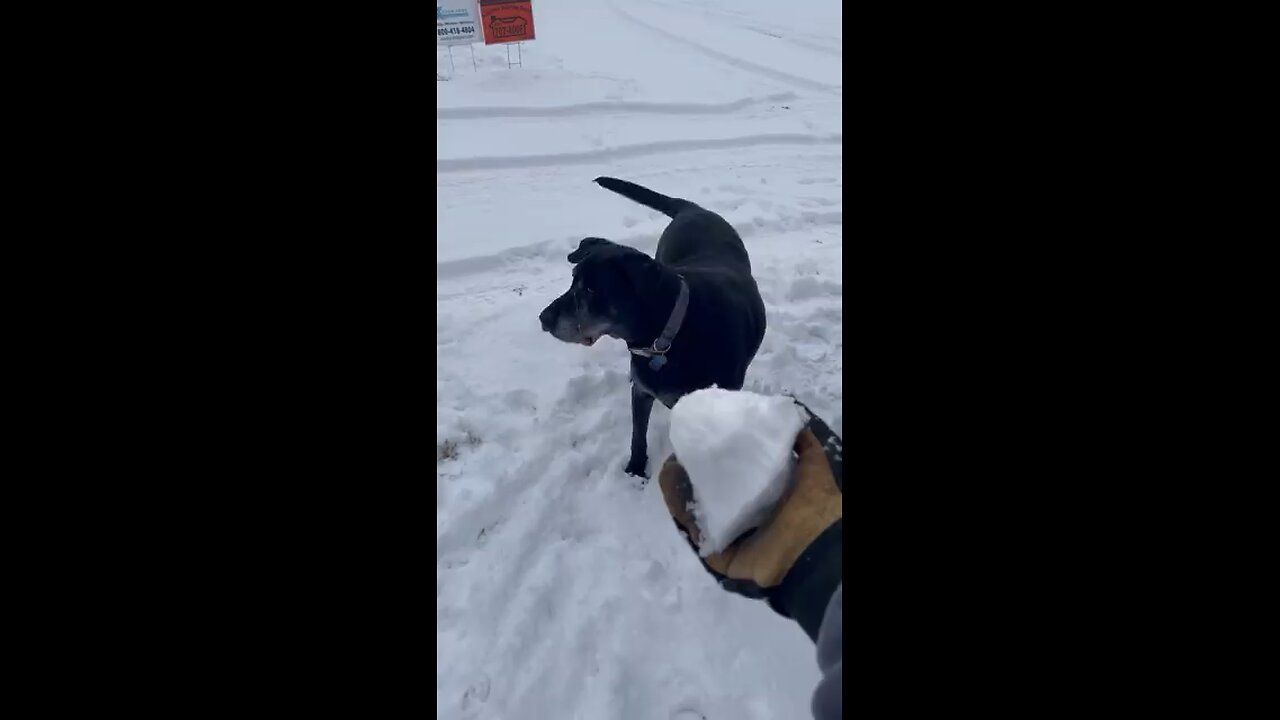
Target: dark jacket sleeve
[(830, 691), (805, 592)]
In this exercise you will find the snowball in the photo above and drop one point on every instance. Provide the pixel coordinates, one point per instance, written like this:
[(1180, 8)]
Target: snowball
[(737, 448)]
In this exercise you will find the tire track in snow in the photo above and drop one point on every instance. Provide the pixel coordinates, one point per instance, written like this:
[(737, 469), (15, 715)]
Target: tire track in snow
[(554, 250), (609, 107), (798, 42), (732, 19), (747, 65), (450, 165)]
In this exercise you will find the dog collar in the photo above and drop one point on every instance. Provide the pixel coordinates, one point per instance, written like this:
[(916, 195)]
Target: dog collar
[(658, 350)]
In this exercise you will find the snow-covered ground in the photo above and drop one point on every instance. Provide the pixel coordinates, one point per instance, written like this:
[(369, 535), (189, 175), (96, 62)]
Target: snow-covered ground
[(562, 587)]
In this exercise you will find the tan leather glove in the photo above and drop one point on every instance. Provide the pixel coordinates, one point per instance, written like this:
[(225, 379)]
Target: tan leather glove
[(793, 559)]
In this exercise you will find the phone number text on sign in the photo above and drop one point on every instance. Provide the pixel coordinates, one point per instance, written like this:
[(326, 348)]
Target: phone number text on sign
[(456, 22)]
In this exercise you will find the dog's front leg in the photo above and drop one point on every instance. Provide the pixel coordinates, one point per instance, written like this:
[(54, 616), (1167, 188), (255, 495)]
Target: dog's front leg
[(641, 405)]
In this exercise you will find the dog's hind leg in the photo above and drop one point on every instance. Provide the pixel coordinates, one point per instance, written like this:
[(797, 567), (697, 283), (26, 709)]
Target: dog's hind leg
[(641, 407)]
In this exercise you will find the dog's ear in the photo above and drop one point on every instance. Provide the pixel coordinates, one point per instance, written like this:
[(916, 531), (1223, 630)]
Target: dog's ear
[(643, 272), (585, 248)]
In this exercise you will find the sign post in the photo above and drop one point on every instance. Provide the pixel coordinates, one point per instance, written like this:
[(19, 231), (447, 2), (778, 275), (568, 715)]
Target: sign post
[(457, 24)]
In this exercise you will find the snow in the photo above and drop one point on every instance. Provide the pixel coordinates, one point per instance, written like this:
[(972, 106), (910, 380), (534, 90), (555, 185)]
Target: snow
[(562, 587), (737, 449)]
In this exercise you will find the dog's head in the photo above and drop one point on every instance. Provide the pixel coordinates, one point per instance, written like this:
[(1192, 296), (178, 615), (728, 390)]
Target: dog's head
[(605, 296)]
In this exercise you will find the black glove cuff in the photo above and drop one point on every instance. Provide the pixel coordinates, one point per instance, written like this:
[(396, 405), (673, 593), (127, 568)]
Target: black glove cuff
[(809, 584)]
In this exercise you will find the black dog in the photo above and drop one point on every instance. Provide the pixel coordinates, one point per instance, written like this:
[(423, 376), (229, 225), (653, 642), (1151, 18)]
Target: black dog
[(692, 318)]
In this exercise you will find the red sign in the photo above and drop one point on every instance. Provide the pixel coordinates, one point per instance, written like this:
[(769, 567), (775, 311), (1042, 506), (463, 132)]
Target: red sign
[(506, 21)]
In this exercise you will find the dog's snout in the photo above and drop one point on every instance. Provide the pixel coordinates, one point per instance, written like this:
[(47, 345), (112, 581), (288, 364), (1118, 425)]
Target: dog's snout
[(547, 318)]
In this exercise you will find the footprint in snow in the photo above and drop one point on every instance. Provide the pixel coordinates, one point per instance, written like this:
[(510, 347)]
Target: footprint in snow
[(477, 693), (521, 400)]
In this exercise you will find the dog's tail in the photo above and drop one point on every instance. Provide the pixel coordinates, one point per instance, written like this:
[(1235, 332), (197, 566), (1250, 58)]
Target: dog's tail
[(667, 205)]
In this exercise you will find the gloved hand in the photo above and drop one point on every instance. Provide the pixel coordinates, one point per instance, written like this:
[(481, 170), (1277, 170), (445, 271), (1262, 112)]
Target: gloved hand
[(793, 559)]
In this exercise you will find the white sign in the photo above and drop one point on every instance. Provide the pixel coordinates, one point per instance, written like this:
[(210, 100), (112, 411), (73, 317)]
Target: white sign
[(456, 22)]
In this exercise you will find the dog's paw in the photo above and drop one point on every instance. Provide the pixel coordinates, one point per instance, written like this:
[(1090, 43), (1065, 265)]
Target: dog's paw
[(638, 467)]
